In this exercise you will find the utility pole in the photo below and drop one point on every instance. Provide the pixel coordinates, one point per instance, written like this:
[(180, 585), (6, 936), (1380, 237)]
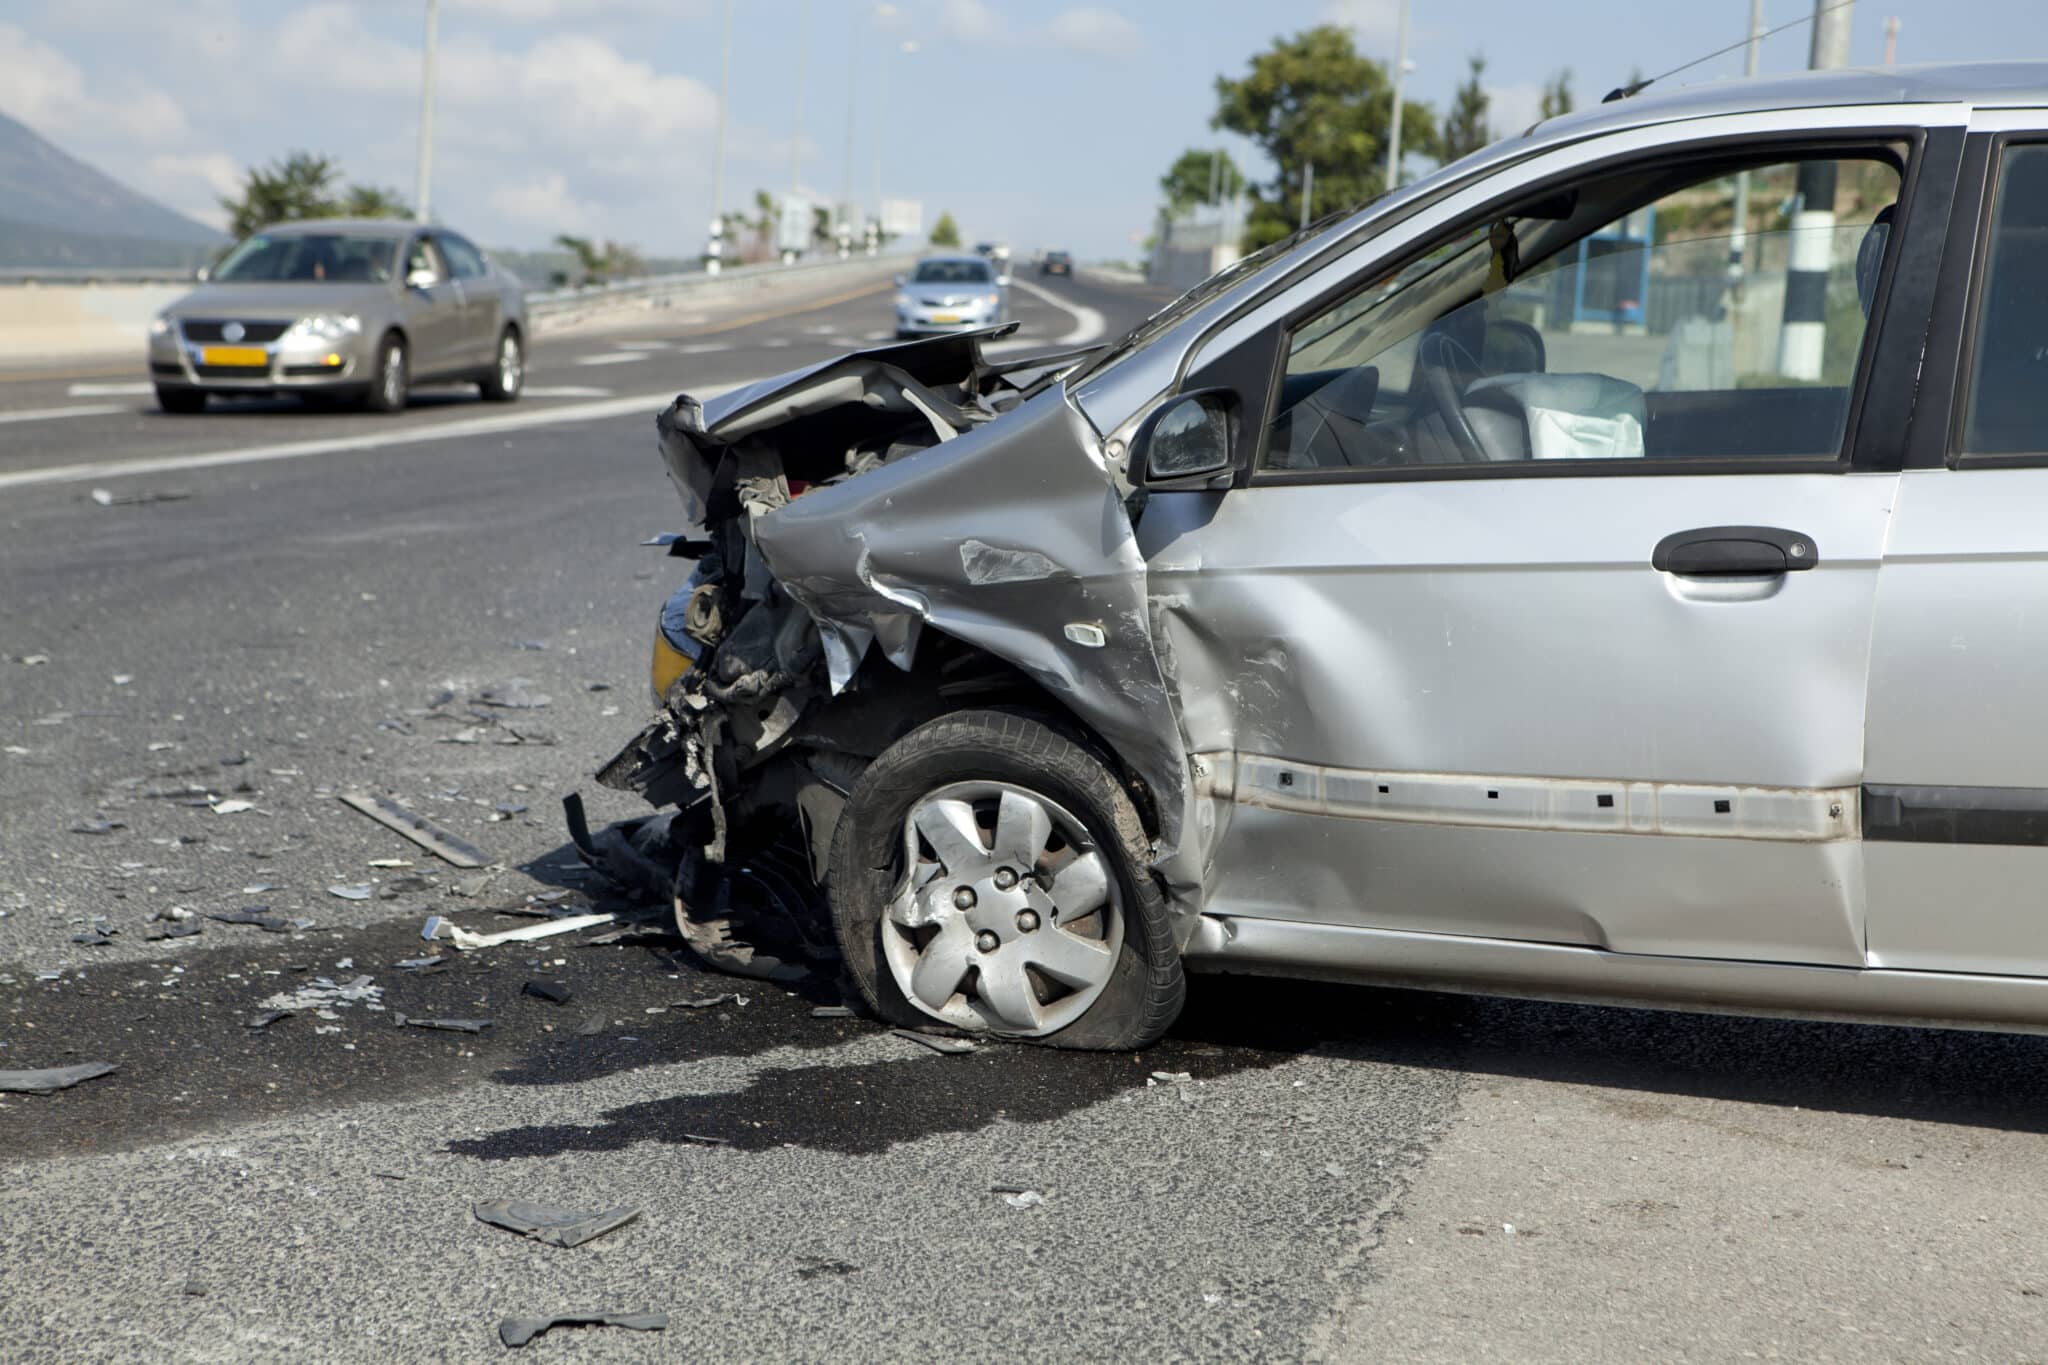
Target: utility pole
[(1400, 80), (1308, 192), (424, 185), (842, 232), (909, 49), (1738, 240), (1891, 40), (714, 250), (796, 137), (1802, 340)]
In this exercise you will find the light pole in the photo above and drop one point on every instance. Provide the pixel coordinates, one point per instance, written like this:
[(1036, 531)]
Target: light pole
[(1738, 240), (424, 184), (1802, 340), (909, 49), (1400, 79), (841, 230), (714, 250), (796, 140)]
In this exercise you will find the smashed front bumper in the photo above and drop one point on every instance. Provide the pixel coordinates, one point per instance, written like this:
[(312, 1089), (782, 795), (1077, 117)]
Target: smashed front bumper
[(878, 540)]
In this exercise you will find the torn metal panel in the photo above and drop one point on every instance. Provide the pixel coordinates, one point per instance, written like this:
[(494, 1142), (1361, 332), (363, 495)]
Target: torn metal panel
[(422, 831)]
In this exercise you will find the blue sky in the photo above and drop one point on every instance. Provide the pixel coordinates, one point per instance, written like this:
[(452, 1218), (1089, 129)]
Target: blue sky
[(1038, 121)]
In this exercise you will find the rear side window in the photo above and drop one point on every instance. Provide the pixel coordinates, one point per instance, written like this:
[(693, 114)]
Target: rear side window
[(2008, 404), (465, 260)]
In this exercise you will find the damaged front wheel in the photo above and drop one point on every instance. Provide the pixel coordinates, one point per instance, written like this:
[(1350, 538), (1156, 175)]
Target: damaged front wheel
[(990, 873)]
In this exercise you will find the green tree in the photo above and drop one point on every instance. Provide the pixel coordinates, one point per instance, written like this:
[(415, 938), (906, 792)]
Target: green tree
[(598, 262), (945, 232), (373, 201), (1466, 128), (1314, 100), (1200, 176), (1557, 95), (299, 186)]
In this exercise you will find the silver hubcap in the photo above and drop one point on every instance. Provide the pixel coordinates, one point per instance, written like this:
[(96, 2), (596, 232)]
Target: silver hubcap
[(509, 364), (1008, 919), (394, 374)]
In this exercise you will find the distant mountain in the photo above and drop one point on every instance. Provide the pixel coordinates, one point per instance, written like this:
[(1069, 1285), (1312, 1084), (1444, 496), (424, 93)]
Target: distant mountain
[(57, 211)]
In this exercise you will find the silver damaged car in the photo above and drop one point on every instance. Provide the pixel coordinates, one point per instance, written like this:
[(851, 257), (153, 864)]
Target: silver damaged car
[(339, 308), (1613, 568)]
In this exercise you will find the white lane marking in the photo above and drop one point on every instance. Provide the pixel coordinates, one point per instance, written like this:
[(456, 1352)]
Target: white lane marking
[(773, 343), (647, 403), (703, 348), (644, 345), (1088, 324), (565, 391), (109, 390), (613, 358), (75, 410)]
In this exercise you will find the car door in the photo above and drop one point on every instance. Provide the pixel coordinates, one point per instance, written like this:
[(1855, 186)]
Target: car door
[(432, 309), (1542, 609), (1957, 802), (482, 300)]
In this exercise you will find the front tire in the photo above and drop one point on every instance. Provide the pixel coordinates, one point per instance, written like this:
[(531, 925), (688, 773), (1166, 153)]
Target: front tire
[(508, 375), (989, 874), (391, 377), (184, 402)]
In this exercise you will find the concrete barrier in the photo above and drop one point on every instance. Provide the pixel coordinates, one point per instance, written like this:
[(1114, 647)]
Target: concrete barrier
[(55, 321)]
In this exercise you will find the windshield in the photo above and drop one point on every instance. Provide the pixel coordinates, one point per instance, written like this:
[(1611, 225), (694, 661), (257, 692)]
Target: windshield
[(312, 257), (952, 272)]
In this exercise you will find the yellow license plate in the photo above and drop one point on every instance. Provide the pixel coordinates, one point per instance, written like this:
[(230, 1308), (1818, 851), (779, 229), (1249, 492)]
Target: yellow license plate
[(253, 356), (945, 317)]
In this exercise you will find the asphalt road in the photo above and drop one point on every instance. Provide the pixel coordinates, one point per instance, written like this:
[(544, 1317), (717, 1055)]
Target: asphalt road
[(332, 602)]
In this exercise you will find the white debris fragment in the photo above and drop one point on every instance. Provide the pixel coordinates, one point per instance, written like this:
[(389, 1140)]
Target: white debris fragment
[(1023, 1199), (440, 927), (232, 807), (321, 993), (358, 892)]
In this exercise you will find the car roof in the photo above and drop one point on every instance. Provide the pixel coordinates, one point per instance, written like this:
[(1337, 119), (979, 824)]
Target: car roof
[(951, 259), (368, 227)]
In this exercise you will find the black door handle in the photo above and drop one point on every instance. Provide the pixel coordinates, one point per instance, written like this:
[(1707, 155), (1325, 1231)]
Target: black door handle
[(1711, 550)]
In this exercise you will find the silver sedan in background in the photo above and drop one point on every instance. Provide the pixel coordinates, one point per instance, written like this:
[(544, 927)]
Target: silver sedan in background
[(343, 308), (951, 294)]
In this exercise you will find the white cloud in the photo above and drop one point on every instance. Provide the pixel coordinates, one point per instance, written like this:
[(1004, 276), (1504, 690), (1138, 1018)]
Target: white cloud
[(193, 184), (545, 204), (1096, 32), (972, 21), (1512, 108), (46, 90), (551, 11), (1376, 23), (327, 46)]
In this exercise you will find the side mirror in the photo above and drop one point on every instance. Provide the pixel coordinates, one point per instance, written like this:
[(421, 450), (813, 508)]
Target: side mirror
[(421, 279), (1002, 281), (1191, 437)]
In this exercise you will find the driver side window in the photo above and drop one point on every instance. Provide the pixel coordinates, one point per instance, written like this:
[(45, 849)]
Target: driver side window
[(1649, 315)]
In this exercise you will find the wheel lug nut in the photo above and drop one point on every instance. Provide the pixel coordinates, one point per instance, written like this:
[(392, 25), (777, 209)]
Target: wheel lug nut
[(1027, 920), (987, 941), (1005, 879), (963, 898)]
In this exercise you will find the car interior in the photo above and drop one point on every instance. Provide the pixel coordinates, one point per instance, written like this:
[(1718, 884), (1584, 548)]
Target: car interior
[(1604, 321)]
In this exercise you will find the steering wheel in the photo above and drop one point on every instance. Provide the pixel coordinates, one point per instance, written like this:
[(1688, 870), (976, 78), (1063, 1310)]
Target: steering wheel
[(1447, 369)]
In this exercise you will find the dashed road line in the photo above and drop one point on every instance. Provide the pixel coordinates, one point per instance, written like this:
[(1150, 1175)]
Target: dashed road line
[(110, 390), (57, 414), (611, 358)]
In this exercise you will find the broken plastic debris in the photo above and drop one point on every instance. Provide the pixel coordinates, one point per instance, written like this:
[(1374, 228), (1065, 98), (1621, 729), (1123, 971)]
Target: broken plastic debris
[(97, 826), (445, 1025), (414, 962), (265, 1018), (417, 828), (232, 807), (554, 992), (49, 1080), (519, 1331), (358, 892), (832, 1012), (935, 1042), (1022, 1199), (515, 694), (182, 929), (556, 1227), (1172, 1076), (707, 1001), (810, 1267), (439, 927), (258, 915), (106, 497)]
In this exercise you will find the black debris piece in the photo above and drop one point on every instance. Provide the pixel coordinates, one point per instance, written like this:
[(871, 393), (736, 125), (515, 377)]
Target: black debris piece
[(235, 762), (175, 929), (403, 886), (97, 826), (51, 1079), (832, 1012), (514, 694), (446, 1025), (811, 1267), (258, 915), (705, 1002), (554, 992), (702, 1141), (440, 699), (417, 828), (590, 1027), (99, 935), (556, 1227), (265, 1018), (519, 1331), (597, 687), (936, 1042)]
